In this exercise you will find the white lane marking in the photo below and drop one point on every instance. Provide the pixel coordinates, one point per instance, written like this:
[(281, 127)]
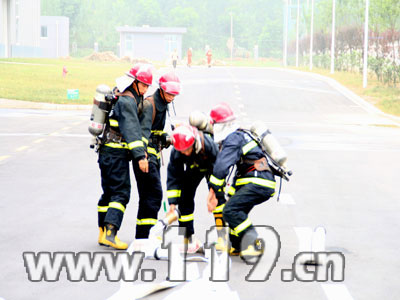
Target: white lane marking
[(336, 291), (304, 236), (22, 148), (66, 128), (22, 63), (286, 199)]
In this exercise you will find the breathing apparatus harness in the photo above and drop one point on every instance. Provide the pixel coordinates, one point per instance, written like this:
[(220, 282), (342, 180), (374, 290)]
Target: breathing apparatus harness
[(109, 134), (274, 165)]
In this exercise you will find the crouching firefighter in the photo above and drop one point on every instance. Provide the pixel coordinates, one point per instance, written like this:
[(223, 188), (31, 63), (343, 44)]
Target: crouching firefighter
[(122, 141), (254, 182), (191, 160), (149, 184)]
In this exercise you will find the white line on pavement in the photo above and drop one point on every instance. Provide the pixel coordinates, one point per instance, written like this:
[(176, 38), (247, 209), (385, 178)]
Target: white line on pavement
[(304, 236), (336, 291)]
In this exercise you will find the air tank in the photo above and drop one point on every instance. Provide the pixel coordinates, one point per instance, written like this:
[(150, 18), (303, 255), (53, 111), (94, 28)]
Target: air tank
[(99, 110), (201, 121), (270, 143)]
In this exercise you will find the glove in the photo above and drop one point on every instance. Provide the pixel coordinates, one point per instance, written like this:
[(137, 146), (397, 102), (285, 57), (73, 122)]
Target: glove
[(165, 140)]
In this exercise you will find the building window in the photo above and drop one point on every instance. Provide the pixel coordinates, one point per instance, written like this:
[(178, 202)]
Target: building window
[(129, 42), (171, 43), (43, 31)]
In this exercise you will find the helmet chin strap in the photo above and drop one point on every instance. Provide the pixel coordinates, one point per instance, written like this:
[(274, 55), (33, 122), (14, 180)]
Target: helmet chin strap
[(163, 95), (137, 88)]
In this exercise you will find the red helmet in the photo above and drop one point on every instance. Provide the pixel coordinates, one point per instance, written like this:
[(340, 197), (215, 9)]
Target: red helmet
[(183, 137), (222, 113), (142, 73), (170, 83)]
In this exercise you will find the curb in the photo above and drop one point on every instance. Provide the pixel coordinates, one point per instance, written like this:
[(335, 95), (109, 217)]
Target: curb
[(9, 103)]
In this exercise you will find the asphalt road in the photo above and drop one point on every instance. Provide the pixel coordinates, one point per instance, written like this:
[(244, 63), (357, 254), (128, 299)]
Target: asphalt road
[(345, 160)]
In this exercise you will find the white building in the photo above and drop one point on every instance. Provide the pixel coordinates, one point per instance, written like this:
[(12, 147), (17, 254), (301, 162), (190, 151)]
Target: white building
[(150, 42), (24, 33)]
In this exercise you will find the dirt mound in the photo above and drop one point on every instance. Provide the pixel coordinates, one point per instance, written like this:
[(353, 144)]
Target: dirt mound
[(102, 56)]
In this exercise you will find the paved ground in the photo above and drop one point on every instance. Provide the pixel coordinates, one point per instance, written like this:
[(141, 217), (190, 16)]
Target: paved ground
[(345, 162)]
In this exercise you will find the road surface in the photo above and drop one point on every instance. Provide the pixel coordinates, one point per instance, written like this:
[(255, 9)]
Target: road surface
[(345, 160)]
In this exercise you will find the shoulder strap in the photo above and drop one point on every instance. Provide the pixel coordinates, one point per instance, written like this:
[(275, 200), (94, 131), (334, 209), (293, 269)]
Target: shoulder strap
[(203, 149), (126, 93), (151, 100), (129, 94)]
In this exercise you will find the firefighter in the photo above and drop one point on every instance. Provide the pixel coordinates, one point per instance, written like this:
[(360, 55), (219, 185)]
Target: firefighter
[(189, 57), (149, 184), (191, 160), (122, 142), (209, 57), (254, 182)]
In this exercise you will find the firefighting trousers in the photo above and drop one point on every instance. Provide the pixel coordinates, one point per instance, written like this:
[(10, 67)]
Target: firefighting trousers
[(186, 204), (116, 184), (236, 213), (150, 197)]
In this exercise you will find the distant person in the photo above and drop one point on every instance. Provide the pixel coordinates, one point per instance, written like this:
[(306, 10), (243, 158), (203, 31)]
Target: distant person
[(209, 57), (189, 57), (174, 57)]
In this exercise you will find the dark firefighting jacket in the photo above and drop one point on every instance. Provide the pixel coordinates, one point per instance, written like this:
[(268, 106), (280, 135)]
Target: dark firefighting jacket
[(241, 150), (126, 122), (181, 166)]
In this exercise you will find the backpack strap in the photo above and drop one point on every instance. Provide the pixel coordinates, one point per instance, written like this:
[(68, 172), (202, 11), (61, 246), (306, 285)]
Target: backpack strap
[(203, 149), (151, 100)]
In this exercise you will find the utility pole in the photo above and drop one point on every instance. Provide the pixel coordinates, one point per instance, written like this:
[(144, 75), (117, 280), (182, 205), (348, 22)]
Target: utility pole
[(365, 68), (333, 37), (297, 33), (311, 34), (285, 38)]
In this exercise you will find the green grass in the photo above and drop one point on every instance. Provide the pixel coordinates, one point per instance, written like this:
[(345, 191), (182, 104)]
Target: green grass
[(43, 81), (384, 97)]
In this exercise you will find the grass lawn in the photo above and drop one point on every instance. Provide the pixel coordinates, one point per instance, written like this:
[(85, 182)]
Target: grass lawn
[(41, 80)]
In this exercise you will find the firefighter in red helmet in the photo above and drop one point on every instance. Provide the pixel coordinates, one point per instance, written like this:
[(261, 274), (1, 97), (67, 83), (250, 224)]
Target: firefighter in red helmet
[(191, 160), (149, 184), (122, 141), (254, 182)]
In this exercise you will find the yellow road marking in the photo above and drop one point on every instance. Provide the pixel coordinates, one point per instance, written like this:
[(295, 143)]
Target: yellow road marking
[(54, 133), (4, 157), (66, 128), (38, 141), (22, 148)]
